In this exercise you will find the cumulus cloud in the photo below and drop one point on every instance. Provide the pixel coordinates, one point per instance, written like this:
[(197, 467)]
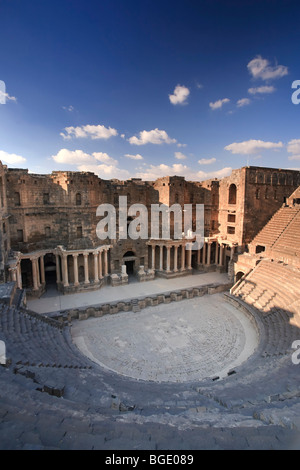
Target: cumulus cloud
[(252, 146), (154, 136), (261, 90), (104, 158), (157, 171), (11, 158), (72, 157), (219, 103), (207, 161), (180, 156), (243, 102), (106, 171), (94, 132), (134, 157), (261, 68), (180, 95), (293, 147)]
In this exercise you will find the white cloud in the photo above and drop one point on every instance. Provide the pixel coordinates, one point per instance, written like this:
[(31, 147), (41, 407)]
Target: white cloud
[(157, 171), (180, 95), (181, 145), (11, 158), (219, 103), (154, 136), (180, 156), (261, 90), (72, 157), (134, 157), (261, 68), (104, 158), (207, 161), (6, 97), (293, 147), (243, 102), (94, 132), (69, 108), (249, 147), (106, 171)]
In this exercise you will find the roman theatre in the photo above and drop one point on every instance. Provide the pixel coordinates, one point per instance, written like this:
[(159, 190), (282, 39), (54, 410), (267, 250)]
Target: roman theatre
[(121, 343)]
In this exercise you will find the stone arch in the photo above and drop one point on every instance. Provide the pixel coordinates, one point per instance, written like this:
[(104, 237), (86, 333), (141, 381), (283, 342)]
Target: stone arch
[(129, 259), (78, 199), (260, 178), (239, 275), (232, 193)]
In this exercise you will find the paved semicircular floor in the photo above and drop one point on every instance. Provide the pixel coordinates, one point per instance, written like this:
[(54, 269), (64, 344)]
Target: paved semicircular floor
[(177, 342)]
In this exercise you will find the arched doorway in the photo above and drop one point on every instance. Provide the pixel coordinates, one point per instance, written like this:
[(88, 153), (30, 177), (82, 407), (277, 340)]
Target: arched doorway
[(239, 276), (129, 259), (50, 270)]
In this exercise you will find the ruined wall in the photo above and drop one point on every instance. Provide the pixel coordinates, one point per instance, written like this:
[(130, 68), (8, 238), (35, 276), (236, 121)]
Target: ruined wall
[(231, 207), (4, 225), (265, 191)]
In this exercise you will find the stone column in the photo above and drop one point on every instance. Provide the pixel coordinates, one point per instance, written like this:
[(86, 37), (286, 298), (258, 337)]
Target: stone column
[(198, 256), (75, 267), (42, 266), (19, 276), (189, 259), (221, 254), (86, 268), (13, 274), (57, 260), (231, 252), (105, 262), (65, 270), (208, 253), (96, 274), (204, 253), (100, 265), (217, 253), (168, 258), (175, 258), (161, 257), (38, 272), (182, 258), (153, 257), (34, 273)]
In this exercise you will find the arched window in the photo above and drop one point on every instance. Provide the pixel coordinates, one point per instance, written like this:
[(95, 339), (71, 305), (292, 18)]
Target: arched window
[(17, 199), (260, 178), (78, 199), (232, 194)]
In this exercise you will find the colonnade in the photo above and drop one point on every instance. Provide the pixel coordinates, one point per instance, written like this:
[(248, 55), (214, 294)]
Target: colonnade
[(180, 258), (99, 268)]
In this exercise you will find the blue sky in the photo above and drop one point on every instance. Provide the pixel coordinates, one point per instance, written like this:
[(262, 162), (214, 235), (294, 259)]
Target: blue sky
[(149, 88)]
